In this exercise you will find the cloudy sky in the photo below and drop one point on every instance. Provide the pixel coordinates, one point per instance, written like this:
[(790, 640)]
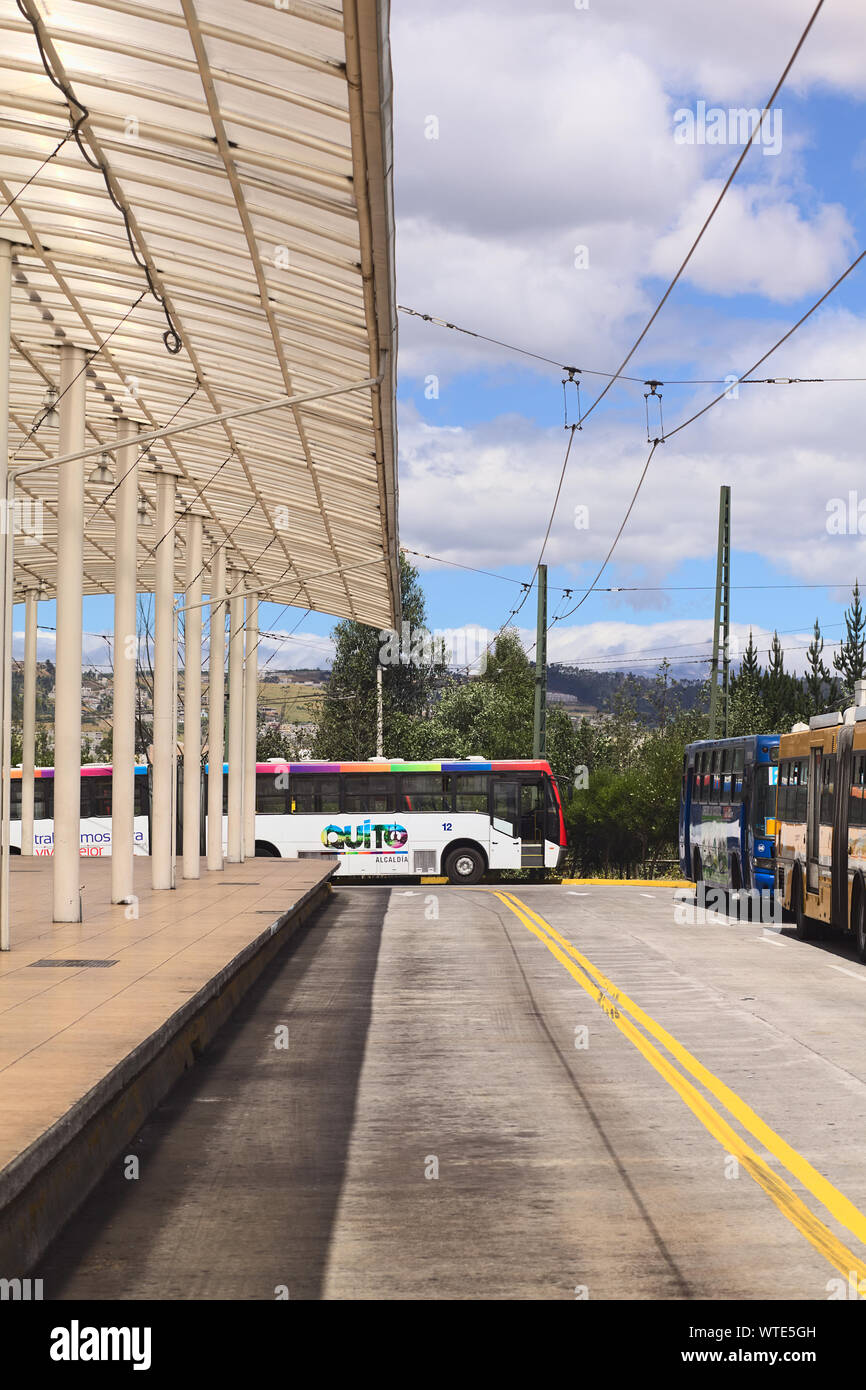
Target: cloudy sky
[(544, 196), (558, 128)]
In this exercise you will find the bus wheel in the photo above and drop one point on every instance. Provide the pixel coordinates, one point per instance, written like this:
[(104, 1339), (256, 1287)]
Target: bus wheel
[(859, 923), (464, 866), (806, 928), (264, 850)]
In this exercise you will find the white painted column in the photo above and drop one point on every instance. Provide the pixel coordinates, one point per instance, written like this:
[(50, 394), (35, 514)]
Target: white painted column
[(28, 718), (67, 687), (216, 689), (251, 697), (192, 700), (235, 844), (5, 591), (125, 661), (164, 714)]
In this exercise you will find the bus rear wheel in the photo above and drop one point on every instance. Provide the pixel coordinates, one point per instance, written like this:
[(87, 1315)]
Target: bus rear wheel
[(465, 865)]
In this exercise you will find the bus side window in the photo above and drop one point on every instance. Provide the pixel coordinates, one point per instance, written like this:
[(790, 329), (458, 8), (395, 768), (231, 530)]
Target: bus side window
[(827, 782), (782, 791), (315, 792), (423, 791), (15, 799), (725, 776), (470, 791), (700, 762), (855, 799), (737, 775), (271, 792), (802, 801), (715, 791), (140, 803), (365, 792), (95, 797)]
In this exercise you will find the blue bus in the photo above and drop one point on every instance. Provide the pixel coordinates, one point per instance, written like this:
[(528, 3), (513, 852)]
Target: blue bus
[(727, 811)]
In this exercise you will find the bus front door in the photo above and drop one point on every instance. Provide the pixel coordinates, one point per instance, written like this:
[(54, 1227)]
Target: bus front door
[(532, 825), (813, 809)]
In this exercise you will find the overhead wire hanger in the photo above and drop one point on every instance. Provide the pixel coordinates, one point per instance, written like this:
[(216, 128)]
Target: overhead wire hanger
[(661, 424)]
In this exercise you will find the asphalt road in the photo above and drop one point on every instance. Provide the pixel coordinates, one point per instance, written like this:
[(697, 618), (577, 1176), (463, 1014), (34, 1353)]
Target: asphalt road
[(547, 1094)]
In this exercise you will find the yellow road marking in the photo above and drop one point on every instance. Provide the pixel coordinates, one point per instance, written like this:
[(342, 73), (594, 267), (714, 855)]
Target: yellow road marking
[(634, 882), (615, 1004)]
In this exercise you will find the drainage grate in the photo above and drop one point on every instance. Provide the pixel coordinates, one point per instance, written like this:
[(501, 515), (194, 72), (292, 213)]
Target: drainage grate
[(227, 883), (74, 964)]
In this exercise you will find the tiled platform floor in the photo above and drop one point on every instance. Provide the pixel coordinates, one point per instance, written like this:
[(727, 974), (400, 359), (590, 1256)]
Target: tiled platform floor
[(64, 1028)]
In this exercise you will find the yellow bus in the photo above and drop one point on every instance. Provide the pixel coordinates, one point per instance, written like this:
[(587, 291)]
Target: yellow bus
[(821, 825)]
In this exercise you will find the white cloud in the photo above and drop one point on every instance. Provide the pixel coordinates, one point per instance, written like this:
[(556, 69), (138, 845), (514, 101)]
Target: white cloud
[(556, 129), (758, 243)]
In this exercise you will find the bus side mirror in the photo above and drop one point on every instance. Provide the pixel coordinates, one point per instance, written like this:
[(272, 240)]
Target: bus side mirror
[(569, 793)]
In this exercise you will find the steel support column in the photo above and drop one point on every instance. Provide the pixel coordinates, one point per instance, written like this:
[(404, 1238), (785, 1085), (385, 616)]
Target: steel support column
[(251, 696), (164, 712), (28, 718), (216, 692), (192, 700), (125, 667), (5, 586), (67, 679), (235, 843)]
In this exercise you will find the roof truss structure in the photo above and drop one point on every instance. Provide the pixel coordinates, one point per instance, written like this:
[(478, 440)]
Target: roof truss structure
[(231, 159)]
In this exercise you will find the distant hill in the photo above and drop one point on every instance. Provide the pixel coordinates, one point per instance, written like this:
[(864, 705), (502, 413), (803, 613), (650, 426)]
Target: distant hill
[(596, 690)]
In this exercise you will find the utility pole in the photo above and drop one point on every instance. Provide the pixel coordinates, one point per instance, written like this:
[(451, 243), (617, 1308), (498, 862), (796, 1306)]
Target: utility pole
[(378, 708), (539, 735), (721, 623)]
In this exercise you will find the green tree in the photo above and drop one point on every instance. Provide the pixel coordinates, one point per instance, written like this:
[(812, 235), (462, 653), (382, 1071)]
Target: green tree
[(750, 668), (850, 660), (747, 711), (820, 687), (412, 665)]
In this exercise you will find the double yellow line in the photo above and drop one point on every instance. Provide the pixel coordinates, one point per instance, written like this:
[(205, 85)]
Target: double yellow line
[(625, 1015)]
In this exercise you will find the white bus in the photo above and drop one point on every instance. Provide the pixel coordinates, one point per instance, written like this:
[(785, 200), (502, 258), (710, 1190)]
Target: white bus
[(95, 811), (385, 817), (378, 818)]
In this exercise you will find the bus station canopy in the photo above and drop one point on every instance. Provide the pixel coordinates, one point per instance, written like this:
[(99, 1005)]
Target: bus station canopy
[(232, 159)]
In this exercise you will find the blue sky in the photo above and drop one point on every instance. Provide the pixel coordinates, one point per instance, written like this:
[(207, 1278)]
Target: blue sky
[(554, 128), (791, 224)]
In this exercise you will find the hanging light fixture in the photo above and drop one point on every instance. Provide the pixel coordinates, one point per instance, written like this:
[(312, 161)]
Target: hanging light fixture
[(143, 515), (102, 475), (47, 414)]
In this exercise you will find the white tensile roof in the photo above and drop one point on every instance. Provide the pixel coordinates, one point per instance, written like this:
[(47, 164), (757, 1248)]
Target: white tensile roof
[(243, 147)]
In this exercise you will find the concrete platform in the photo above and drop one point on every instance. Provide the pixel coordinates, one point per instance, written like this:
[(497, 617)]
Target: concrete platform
[(99, 1018)]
